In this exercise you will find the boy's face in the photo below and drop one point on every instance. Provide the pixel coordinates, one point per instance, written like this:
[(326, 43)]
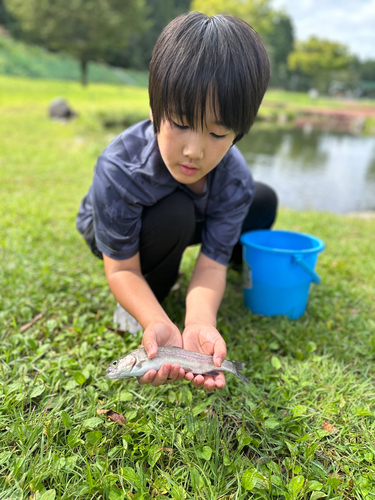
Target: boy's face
[(189, 154)]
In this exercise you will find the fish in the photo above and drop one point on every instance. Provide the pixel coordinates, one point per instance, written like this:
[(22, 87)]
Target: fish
[(136, 363)]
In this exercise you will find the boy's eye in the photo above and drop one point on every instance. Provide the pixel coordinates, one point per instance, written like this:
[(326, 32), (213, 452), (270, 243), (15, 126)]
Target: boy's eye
[(181, 127), (218, 136)]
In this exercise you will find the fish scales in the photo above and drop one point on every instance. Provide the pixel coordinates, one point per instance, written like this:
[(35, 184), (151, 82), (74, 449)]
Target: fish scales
[(137, 363)]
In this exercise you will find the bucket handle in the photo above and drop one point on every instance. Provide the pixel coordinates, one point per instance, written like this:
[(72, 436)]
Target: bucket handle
[(314, 276)]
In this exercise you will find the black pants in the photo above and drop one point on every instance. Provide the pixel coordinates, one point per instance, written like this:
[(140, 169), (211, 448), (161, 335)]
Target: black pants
[(169, 226)]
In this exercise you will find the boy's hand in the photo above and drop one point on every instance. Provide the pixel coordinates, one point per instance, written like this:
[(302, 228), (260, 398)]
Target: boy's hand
[(207, 340), (159, 334)]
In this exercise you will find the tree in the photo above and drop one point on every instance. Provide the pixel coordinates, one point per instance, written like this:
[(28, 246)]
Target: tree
[(137, 54), (279, 43), (257, 13), (319, 59), (83, 28)]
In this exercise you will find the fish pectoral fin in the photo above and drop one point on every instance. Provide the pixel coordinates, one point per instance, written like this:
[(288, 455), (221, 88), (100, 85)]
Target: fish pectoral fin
[(213, 373)]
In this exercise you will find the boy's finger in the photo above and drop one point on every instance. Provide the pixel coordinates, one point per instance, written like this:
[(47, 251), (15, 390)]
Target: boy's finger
[(162, 375), (174, 372), (150, 344), (220, 352), (148, 377), (198, 381), (220, 381)]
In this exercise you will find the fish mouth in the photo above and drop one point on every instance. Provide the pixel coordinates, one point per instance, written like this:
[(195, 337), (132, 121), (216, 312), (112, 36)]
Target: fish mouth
[(110, 373)]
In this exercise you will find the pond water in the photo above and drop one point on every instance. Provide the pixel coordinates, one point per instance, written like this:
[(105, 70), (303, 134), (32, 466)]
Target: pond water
[(311, 169)]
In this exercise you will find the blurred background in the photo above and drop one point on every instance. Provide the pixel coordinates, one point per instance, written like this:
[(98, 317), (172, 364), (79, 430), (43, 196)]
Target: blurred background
[(314, 139)]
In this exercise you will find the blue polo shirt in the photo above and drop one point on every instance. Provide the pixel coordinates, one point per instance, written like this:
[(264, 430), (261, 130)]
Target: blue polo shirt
[(130, 175)]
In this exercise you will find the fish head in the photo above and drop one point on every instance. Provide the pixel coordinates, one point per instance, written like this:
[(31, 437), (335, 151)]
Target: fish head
[(121, 368)]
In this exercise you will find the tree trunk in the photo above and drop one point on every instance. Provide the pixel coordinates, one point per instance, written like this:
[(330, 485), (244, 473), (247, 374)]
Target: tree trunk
[(84, 72)]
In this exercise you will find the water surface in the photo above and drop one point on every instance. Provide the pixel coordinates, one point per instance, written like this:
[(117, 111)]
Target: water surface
[(318, 170)]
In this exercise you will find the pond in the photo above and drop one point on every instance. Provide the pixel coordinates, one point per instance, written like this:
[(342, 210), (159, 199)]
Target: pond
[(312, 169)]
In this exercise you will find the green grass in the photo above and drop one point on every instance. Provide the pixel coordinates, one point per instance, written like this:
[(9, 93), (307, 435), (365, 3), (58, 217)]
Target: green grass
[(304, 429), (31, 61)]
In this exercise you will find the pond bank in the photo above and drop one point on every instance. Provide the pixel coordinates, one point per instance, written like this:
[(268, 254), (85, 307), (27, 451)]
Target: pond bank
[(337, 116)]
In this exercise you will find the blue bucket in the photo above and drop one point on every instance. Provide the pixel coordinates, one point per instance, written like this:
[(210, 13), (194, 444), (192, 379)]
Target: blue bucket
[(278, 270)]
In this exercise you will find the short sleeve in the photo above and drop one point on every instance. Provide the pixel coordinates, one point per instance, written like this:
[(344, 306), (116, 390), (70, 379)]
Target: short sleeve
[(117, 210), (231, 194)]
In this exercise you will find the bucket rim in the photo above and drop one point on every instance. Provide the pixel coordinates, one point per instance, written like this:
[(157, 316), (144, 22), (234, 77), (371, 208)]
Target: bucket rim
[(319, 248)]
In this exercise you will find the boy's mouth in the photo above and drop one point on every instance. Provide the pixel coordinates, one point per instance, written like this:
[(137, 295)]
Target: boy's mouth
[(188, 169)]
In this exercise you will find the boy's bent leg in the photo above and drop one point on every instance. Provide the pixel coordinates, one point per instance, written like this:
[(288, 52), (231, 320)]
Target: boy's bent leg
[(261, 215), (167, 229)]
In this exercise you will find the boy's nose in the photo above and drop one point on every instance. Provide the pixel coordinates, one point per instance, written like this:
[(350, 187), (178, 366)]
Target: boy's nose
[(194, 147)]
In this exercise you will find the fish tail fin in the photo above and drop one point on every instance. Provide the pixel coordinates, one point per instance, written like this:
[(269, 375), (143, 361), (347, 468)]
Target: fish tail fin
[(238, 366)]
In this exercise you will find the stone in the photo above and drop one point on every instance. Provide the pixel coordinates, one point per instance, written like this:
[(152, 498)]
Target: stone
[(60, 109)]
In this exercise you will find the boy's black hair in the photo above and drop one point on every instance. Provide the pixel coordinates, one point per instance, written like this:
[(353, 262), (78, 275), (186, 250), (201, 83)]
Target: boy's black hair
[(218, 60)]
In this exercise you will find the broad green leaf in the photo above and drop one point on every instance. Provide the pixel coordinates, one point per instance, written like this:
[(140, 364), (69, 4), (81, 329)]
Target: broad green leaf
[(249, 479), (162, 485), (37, 390), (317, 494), (276, 480), (69, 386), (92, 422), (299, 410), (368, 457), (129, 474), (243, 438), (178, 493), (131, 415), (67, 421), (205, 453), (199, 409), (126, 396), (271, 423), (79, 378), (191, 423), (116, 494), (196, 480), (48, 495), (334, 482), (274, 467), (154, 454), (276, 363), (74, 438), (93, 437), (295, 485), (313, 486)]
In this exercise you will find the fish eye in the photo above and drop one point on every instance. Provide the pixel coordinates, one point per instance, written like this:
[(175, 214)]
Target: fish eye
[(114, 363)]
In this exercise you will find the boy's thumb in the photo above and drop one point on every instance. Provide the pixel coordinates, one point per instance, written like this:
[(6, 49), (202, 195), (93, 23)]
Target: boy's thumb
[(149, 343)]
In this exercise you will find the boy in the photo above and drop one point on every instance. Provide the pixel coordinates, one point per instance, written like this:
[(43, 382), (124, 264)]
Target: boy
[(176, 180)]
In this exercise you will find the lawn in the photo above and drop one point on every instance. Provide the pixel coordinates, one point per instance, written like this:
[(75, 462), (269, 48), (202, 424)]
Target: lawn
[(304, 428)]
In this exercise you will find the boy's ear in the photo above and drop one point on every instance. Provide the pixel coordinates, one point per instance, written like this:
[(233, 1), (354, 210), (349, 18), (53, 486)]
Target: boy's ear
[(151, 117)]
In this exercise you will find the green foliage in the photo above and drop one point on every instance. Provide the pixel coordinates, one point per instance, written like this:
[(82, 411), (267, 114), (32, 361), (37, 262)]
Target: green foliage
[(304, 429), (257, 13), (279, 43), (82, 28), (319, 58), (137, 53)]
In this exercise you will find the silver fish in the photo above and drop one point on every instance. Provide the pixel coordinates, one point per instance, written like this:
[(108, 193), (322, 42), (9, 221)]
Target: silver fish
[(137, 363)]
